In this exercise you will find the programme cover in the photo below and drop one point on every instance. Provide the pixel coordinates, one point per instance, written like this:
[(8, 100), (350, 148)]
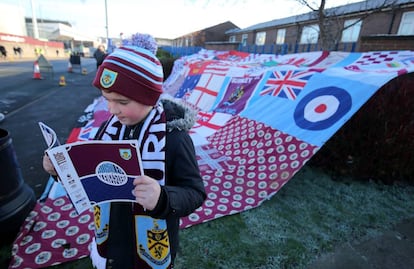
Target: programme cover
[(93, 172)]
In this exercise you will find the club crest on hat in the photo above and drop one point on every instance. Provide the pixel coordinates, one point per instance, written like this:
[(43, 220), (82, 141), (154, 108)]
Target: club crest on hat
[(108, 78)]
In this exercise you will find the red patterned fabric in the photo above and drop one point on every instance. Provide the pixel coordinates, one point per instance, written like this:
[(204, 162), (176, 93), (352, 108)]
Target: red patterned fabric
[(242, 174), (53, 233)]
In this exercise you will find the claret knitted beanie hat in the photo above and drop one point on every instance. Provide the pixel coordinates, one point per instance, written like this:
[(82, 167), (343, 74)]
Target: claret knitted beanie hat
[(133, 70)]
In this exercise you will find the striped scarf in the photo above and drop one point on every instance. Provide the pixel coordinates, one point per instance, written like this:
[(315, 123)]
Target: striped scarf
[(152, 248)]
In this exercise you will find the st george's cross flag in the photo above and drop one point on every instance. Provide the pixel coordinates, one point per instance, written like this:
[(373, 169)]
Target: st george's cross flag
[(209, 84), (207, 124)]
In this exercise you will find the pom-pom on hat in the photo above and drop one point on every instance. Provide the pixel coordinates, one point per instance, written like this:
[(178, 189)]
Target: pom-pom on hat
[(133, 70)]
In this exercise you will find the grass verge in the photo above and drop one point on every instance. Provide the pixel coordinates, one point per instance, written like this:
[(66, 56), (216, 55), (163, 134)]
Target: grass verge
[(308, 217)]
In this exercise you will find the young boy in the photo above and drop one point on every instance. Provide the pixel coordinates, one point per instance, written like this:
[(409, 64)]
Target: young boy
[(145, 234)]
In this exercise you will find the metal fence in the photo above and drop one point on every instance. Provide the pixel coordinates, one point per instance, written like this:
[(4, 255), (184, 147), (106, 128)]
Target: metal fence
[(180, 51), (293, 48), (265, 49)]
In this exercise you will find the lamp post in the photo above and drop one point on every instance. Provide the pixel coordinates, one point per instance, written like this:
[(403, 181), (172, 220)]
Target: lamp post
[(34, 21), (106, 26)]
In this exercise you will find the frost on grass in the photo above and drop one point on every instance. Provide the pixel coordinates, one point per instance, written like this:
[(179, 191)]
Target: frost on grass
[(308, 217)]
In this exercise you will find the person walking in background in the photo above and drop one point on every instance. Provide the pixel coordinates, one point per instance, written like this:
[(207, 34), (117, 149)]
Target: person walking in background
[(144, 234), (3, 52), (99, 55), (18, 51)]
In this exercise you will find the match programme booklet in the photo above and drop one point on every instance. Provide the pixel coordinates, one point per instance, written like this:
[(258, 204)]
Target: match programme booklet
[(49, 135), (94, 172)]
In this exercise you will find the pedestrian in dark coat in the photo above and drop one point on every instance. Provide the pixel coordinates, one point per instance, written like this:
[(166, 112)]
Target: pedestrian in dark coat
[(3, 52), (99, 55)]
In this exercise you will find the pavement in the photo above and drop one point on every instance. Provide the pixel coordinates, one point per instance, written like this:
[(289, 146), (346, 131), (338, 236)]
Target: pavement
[(57, 106), (60, 108)]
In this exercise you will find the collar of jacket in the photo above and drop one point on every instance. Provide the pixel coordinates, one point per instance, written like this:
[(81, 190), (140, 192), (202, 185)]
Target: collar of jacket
[(179, 115)]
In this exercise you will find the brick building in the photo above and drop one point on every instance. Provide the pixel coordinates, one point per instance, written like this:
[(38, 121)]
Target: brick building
[(362, 26), (366, 25), (199, 38)]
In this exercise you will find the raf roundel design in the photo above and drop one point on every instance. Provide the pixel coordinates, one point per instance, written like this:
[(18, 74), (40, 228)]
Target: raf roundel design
[(322, 108)]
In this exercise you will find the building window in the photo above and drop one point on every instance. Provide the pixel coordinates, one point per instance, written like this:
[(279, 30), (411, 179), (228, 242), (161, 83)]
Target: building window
[(407, 24), (244, 39), (260, 38), (310, 34), (232, 38), (351, 30), (280, 36)]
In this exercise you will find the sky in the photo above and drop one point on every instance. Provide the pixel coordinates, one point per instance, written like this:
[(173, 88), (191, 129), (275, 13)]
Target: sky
[(161, 18)]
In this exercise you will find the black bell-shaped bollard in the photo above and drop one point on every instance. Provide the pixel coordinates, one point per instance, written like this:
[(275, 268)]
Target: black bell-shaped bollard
[(17, 199)]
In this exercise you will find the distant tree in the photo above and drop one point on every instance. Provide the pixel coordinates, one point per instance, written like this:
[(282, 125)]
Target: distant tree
[(329, 20)]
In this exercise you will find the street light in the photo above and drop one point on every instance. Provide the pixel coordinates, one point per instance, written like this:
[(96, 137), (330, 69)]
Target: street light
[(34, 21), (106, 18)]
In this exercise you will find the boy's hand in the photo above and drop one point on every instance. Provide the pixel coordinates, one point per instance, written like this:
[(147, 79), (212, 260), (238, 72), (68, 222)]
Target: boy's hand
[(48, 166), (147, 191)]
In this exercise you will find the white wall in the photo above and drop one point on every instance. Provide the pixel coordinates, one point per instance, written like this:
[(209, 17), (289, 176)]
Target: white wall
[(12, 20)]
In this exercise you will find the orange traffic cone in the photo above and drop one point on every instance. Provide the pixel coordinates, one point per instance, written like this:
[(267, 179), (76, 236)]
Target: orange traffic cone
[(62, 81), (70, 67), (36, 71)]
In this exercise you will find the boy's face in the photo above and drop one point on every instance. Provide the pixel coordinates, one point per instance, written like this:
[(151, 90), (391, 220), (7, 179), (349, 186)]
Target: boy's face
[(128, 111)]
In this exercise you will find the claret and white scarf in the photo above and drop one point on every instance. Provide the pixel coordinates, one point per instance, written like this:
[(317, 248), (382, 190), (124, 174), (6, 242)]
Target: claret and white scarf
[(152, 246)]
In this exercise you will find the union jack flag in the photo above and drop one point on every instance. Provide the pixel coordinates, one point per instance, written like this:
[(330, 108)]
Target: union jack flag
[(87, 132), (286, 84)]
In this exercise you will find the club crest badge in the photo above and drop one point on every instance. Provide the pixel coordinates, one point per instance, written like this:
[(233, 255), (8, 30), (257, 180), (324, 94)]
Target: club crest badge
[(101, 222), (235, 96), (108, 78), (125, 154), (153, 242), (157, 242), (97, 216)]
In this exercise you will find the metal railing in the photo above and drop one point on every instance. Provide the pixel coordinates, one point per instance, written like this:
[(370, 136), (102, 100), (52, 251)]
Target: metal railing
[(265, 49), (180, 51), (293, 48)]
